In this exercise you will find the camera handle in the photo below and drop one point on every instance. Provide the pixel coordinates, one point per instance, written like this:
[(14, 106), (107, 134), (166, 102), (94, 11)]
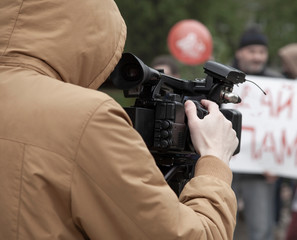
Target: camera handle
[(201, 111), (178, 176)]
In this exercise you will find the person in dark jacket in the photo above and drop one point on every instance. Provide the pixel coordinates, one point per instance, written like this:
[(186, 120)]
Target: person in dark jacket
[(257, 191), (288, 57)]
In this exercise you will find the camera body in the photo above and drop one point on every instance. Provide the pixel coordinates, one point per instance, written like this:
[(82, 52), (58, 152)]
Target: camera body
[(158, 113)]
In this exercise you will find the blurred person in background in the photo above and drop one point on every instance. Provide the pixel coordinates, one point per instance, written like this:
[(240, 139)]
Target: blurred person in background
[(292, 228), (252, 54), (166, 63), (257, 191), (288, 57)]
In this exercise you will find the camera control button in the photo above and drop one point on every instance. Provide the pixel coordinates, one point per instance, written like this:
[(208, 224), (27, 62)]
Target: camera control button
[(165, 124), (164, 144), (164, 134)]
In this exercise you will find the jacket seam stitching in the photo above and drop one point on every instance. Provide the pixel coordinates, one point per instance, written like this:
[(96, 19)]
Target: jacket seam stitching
[(16, 20), (86, 123), (77, 165), (40, 66), (20, 193), (37, 146)]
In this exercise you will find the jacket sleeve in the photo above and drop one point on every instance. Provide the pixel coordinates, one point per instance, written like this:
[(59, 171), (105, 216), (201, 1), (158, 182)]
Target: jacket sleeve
[(118, 192)]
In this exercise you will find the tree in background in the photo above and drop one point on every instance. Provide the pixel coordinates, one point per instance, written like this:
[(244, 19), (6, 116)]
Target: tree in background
[(149, 22)]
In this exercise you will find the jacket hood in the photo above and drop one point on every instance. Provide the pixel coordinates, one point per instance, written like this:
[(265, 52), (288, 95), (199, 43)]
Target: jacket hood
[(288, 55), (78, 42)]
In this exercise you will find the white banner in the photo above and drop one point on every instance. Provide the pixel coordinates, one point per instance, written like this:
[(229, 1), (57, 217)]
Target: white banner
[(269, 127)]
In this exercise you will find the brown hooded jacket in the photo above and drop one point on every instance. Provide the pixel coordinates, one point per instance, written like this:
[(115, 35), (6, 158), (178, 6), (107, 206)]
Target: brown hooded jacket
[(71, 164)]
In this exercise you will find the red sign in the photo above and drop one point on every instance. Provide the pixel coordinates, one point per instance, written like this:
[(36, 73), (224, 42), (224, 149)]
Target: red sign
[(190, 42)]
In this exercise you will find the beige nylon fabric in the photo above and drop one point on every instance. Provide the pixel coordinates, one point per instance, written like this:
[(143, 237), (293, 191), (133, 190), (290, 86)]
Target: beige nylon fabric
[(71, 164), (78, 42)]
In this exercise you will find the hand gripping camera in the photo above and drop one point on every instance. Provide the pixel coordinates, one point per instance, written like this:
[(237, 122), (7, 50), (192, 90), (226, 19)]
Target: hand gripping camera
[(158, 113)]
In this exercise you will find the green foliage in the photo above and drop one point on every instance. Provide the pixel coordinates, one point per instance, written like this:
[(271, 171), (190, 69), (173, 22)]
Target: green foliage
[(149, 22)]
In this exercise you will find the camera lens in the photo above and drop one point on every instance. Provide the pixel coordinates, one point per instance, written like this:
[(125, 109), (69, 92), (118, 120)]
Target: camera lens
[(131, 73)]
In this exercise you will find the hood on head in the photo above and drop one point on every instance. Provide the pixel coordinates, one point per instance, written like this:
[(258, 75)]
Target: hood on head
[(76, 41)]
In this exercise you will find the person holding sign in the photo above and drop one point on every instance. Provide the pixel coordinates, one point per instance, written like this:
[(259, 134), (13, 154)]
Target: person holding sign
[(256, 190), (288, 57)]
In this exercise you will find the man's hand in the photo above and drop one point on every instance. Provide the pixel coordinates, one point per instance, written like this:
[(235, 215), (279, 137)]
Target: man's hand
[(212, 135)]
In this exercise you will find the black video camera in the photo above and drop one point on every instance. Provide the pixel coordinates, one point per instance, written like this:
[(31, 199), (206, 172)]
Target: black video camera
[(158, 113)]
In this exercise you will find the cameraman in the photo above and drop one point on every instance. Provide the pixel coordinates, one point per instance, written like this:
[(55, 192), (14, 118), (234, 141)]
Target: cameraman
[(71, 165), (256, 190)]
